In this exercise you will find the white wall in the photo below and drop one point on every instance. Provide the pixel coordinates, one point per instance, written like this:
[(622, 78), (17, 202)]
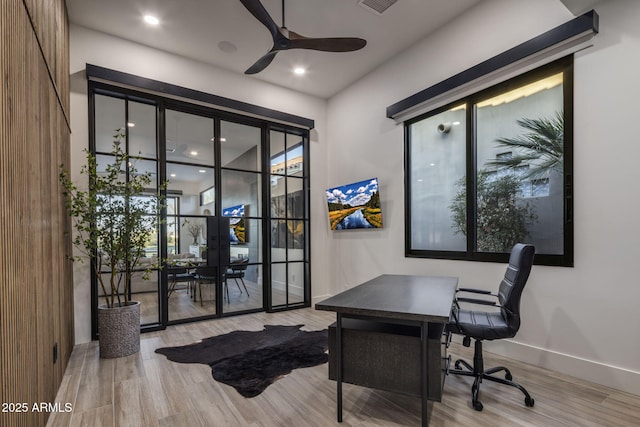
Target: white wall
[(88, 46), (583, 320), (580, 320)]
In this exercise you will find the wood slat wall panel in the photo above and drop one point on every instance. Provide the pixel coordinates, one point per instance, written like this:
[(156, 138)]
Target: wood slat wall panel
[(49, 19), (36, 291)]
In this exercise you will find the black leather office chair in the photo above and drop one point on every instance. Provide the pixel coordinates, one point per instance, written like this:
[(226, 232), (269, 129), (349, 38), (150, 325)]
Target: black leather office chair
[(493, 324)]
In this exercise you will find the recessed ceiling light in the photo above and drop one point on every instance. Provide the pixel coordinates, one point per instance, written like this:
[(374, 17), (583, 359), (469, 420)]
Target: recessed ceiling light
[(151, 20), (299, 71), (202, 171), (173, 175), (131, 124), (223, 139), (194, 153)]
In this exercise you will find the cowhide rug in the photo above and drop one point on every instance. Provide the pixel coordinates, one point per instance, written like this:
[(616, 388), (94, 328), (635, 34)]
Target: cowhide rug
[(250, 361)]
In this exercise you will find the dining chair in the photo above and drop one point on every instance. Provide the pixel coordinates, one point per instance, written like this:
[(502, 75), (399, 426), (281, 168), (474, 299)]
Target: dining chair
[(179, 275), (236, 271), (206, 275)]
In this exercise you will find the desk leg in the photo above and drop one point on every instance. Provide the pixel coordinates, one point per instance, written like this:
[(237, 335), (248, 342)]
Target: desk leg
[(339, 364), (424, 335)]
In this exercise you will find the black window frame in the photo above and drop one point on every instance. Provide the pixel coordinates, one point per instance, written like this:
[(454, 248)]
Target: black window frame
[(564, 65)]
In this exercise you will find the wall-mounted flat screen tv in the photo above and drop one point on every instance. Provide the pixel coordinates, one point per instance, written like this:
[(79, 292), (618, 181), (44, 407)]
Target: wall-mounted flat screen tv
[(237, 227), (355, 205)]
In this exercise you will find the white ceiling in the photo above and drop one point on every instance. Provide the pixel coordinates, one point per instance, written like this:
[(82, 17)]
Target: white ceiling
[(223, 33), (200, 30)]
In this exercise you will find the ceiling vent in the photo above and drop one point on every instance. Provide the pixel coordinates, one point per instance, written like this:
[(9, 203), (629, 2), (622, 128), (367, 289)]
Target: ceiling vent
[(377, 6)]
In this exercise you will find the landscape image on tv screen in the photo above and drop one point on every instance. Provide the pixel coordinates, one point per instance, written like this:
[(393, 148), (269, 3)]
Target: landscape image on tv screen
[(355, 205), (237, 228)]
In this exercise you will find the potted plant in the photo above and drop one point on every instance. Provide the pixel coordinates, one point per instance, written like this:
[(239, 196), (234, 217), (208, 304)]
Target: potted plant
[(195, 230), (114, 217)]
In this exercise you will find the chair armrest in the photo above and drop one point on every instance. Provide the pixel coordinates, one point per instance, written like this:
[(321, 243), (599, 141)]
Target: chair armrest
[(475, 291), (477, 301)]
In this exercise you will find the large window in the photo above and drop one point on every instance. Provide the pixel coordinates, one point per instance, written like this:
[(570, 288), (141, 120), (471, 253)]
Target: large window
[(494, 169)]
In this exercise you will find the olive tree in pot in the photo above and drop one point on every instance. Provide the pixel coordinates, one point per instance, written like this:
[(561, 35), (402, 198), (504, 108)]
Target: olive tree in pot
[(114, 217)]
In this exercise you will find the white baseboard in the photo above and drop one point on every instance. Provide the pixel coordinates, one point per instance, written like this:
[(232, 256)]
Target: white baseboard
[(589, 370)]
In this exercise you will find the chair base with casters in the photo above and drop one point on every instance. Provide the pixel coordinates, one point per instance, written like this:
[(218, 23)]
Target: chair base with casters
[(477, 371)]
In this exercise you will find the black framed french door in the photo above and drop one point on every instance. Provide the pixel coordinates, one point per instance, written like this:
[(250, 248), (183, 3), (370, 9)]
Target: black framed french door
[(237, 200)]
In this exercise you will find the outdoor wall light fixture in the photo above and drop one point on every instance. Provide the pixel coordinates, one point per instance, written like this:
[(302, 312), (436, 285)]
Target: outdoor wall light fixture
[(444, 127)]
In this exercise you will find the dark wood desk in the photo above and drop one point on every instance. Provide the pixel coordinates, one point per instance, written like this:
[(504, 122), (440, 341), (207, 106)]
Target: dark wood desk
[(418, 300)]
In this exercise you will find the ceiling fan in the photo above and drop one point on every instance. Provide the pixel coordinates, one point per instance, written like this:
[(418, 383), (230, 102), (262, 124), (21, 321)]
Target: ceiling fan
[(284, 39)]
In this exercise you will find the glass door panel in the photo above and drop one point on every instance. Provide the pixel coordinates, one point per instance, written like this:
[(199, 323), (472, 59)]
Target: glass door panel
[(240, 146), (241, 189), (117, 116), (278, 284), (110, 114), (142, 130), (189, 138), (192, 289), (146, 291), (243, 275), (289, 220), (241, 203), (296, 282)]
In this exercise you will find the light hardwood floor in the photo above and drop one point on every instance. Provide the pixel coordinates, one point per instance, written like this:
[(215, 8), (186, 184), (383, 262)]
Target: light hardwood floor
[(146, 389)]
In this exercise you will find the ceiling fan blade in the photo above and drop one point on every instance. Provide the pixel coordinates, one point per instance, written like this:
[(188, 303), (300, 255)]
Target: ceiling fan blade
[(257, 9), (284, 39), (326, 44), (262, 63)]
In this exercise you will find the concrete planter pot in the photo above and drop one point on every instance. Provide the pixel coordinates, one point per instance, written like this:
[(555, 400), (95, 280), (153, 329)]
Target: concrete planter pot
[(119, 329)]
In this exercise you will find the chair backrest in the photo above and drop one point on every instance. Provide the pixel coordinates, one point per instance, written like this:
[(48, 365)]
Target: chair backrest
[(510, 291), (177, 270), (205, 271), (239, 265)]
